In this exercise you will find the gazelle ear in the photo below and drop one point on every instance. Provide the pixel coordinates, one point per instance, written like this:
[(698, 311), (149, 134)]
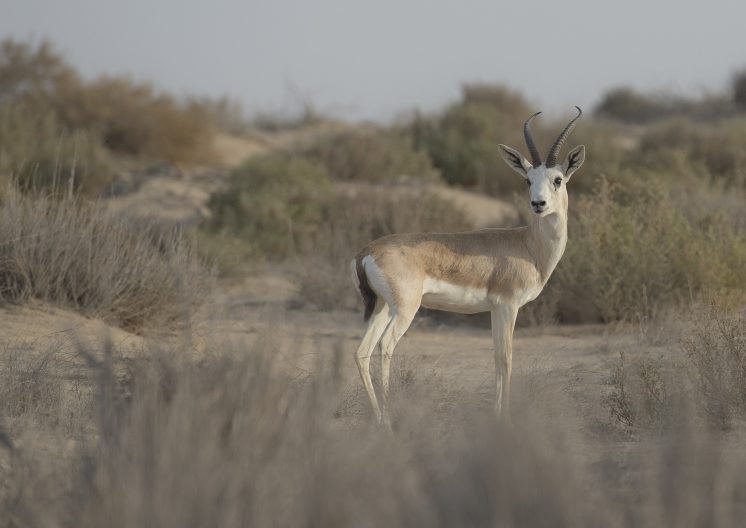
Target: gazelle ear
[(515, 160), (574, 160)]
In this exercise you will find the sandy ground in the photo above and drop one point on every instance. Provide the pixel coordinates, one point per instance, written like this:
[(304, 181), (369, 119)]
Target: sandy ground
[(258, 308)]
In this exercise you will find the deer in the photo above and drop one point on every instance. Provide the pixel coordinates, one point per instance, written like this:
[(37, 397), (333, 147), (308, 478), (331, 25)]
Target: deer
[(496, 270)]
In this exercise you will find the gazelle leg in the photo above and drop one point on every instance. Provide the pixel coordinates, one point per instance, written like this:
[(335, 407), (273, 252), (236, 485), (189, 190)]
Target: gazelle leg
[(376, 326), (391, 336), (503, 323)]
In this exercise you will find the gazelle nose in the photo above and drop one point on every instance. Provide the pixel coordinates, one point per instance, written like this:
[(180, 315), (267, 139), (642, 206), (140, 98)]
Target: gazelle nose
[(539, 204)]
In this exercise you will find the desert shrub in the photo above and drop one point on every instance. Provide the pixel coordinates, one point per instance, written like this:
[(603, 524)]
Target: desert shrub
[(135, 119), (626, 104), (371, 156), (75, 255), (275, 204), (462, 141), (128, 117), (38, 152), (33, 73), (715, 347), (642, 394), (224, 113), (714, 151), (632, 251)]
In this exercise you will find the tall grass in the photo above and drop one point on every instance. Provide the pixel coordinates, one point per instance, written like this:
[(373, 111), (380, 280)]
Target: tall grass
[(234, 439), (73, 254)]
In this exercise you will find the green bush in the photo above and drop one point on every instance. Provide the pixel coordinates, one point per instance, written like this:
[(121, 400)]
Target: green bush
[(37, 152), (371, 156), (275, 204), (462, 142), (628, 105)]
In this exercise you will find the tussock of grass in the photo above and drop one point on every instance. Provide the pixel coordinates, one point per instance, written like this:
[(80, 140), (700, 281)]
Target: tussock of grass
[(75, 255)]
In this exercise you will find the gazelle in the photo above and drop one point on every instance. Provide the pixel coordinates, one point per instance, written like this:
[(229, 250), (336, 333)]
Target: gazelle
[(495, 270)]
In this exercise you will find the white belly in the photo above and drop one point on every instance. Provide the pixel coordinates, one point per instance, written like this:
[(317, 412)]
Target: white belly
[(440, 295)]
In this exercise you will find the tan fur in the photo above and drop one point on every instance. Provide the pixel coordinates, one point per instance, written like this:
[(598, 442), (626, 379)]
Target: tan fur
[(496, 270), (504, 261)]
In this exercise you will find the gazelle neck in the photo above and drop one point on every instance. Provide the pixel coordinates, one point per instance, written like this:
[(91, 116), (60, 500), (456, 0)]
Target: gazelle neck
[(546, 240)]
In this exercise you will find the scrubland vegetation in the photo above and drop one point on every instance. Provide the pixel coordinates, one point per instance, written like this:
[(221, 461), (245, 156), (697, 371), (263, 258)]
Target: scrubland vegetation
[(73, 254), (645, 429), (57, 127)]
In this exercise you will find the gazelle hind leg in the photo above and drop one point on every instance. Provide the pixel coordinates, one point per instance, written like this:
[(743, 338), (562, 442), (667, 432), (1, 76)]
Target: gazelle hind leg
[(391, 336), (377, 324)]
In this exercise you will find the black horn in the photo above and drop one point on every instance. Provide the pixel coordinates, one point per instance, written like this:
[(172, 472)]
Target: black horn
[(554, 151), (535, 156)]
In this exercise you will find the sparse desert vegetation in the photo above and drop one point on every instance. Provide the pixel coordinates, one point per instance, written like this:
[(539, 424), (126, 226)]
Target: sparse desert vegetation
[(138, 389)]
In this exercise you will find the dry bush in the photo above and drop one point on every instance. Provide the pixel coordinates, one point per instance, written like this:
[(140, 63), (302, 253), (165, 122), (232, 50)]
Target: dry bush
[(124, 116), (224, 113), (679, 148), (371, 156), (135, 119), (299, 113), (644, 393), (704, 373), (715, 347), (74, 254)]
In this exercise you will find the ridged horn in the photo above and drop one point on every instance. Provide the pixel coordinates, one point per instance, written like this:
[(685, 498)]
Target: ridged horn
[(554, 151), (535, 156)]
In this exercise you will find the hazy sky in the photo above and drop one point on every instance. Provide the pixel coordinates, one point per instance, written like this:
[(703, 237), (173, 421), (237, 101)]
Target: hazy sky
[(376, 58)]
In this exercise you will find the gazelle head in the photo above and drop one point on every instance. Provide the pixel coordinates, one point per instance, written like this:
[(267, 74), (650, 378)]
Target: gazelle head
[(547, 180)]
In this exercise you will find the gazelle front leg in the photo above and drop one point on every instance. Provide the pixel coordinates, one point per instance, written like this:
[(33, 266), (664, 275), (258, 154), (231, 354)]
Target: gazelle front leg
[(503, 323)]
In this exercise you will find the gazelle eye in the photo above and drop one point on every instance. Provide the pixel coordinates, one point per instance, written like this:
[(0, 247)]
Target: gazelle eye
[(558, 181)]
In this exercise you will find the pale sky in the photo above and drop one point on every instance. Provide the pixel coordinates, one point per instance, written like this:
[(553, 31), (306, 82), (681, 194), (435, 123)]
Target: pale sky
[(375, 59)]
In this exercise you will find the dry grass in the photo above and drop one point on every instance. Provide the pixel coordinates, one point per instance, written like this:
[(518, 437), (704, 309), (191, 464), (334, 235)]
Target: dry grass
[(73, 254), (236, 439)]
